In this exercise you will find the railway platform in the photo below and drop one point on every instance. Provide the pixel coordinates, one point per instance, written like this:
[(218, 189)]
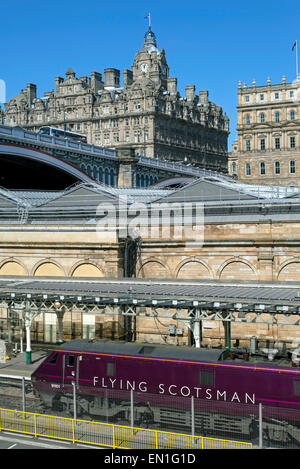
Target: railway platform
[(16, 366)]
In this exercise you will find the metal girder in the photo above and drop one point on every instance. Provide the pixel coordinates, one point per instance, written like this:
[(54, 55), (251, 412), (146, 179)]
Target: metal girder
[(180, 311)]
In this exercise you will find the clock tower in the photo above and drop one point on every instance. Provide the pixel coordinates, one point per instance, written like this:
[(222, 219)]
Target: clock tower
[(150, 63)]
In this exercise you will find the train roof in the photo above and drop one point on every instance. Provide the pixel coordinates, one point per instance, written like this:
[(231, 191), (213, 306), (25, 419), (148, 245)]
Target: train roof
[(143, 349)]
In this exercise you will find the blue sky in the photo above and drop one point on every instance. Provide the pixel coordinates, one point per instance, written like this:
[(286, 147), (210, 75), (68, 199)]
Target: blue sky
[(210, 45)]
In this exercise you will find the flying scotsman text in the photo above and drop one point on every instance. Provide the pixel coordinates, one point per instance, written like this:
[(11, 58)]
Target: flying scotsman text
[(175, 390)]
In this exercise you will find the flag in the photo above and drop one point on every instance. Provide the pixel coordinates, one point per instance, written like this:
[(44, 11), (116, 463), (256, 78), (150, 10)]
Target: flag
[(294, 45)]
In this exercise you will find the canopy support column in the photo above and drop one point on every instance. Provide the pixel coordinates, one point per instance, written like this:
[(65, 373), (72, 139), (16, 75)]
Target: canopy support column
[(227, 329), (28, 317), (60, 317)]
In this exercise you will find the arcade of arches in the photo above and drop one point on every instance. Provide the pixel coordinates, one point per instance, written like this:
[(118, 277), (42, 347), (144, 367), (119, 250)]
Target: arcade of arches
[(191, 269)]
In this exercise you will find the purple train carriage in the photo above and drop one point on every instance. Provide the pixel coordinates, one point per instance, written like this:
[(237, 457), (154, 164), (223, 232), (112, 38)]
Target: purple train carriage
[(222, 383)]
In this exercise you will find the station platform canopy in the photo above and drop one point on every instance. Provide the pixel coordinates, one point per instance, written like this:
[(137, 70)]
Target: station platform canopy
[(214, 294)]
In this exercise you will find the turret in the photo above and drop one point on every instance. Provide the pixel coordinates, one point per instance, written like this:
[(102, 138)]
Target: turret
[(112, 78)]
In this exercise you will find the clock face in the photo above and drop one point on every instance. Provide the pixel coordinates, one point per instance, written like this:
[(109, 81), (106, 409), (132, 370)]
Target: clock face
[(144, 68)]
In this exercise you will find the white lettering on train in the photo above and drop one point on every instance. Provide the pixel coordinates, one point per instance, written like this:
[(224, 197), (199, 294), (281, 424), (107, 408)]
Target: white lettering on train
[(175, 390)]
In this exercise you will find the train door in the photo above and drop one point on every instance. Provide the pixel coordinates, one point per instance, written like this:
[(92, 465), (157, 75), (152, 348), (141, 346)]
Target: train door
[(70, 369)]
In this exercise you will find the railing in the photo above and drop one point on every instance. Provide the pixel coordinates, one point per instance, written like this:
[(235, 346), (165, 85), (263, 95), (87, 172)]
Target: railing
[(23, 134), (105, 434), (182, 168)]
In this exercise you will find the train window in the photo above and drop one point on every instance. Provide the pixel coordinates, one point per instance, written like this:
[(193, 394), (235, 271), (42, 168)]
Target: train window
[(110, 369), (54, 358), (71, 360), (297, 388), (207, 378)]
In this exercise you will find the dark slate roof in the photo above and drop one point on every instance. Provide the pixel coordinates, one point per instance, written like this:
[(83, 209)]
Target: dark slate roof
[(208, 190), (143, 349)]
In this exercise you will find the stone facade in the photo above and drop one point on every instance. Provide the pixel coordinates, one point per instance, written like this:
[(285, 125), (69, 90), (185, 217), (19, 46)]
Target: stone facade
[(268, 147), (258, 251), (147, 113)]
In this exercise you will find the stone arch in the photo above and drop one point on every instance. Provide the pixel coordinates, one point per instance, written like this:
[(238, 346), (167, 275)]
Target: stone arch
[(237, 269), (43, 158), (95, 173), (289, 271), (48, 268), (153, 268), (89, 170), (12, 267), (193, 269), (86, 269)]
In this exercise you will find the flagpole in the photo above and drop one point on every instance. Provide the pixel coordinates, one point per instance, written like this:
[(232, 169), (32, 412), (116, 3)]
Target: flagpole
[(149, 19)]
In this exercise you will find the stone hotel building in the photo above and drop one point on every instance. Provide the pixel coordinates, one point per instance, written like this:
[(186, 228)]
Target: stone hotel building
[(267, 150), (146, 113)]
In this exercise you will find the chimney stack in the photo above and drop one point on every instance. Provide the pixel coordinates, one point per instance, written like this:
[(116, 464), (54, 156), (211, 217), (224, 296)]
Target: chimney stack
[(203, 97), (127, 77), (172, 85), (190, 92), (112, 78), (96, 81), (31, 93)]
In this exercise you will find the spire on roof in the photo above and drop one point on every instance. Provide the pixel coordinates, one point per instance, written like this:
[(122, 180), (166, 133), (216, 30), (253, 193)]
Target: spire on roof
[(149, 38)]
